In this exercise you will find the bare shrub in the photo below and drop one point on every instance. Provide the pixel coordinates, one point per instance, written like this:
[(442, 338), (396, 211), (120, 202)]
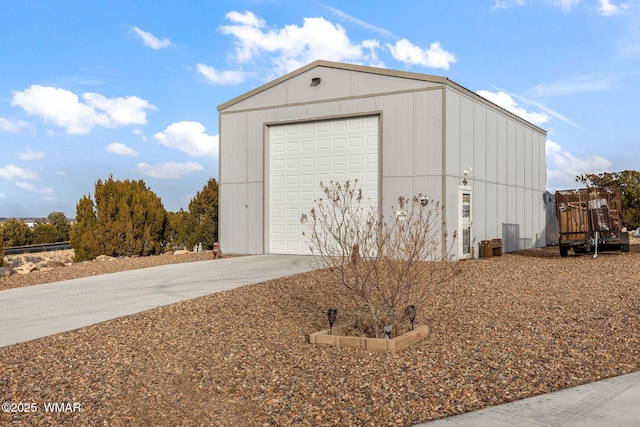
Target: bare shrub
[(381, 264)]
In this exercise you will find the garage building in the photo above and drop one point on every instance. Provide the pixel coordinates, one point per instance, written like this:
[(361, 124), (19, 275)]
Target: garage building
[(399, 133)]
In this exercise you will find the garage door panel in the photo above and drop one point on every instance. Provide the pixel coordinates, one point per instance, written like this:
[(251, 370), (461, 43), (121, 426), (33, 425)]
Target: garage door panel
[(304, 155)]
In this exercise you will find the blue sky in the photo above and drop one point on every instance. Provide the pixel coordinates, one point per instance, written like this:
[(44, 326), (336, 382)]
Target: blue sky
[(130, 88)]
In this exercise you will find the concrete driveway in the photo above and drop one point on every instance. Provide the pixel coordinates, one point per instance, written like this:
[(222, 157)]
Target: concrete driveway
[(37, 311)]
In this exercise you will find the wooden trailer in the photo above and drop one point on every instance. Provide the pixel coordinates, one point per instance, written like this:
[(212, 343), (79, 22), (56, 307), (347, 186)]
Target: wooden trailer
[(589, 220)]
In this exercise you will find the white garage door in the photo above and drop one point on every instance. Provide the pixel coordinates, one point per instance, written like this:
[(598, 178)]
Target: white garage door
[(305, 154)]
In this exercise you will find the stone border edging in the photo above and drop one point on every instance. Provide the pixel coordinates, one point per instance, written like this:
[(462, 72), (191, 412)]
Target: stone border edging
[(392, 345)]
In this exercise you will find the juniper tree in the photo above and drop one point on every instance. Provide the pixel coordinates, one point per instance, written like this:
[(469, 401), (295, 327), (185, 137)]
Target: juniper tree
[(15, 233), (204, 210), (129, 220), (84, 233), (44, 233), (60, 222)]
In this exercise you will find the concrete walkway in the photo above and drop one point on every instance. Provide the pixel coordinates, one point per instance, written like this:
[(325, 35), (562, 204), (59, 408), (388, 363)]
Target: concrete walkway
[(37, 311), (614, 402)]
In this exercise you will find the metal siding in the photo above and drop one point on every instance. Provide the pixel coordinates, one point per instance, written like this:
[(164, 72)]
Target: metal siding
[(392, 188), (233, 232), (452, 208), (324, 109), (255, 218), (518, 201), (492, 212), (428, 135), (255, 143), (540, 153), (397, 150), (335, 83), (512, 157), (233, 148), (528, 159), (467, 142), (430, 186), (358, 105), (276, 95), (510, 226), (520, 156), (371, 83), (502, 165), (491, 157), (453, 135), (482, 211), (294, 112), (479, 142)]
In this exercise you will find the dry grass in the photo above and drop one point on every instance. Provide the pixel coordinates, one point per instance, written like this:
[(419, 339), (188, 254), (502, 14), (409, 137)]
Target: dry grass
[(504, 329)]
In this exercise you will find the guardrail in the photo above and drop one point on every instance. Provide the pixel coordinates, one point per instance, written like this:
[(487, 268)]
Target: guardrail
[(31, 249)]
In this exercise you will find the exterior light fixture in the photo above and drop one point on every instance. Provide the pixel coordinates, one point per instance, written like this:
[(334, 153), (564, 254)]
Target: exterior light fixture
[(332, 313), (424, 200), (411, 313), (387, 330), (466, 172), (315, 81)]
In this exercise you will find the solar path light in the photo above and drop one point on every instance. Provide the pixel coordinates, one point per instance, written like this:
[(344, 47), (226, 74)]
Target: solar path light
[(411, 313), (332, 313)]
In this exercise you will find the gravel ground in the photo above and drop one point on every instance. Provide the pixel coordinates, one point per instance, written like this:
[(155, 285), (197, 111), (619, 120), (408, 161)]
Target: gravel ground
[(506, 328), (58, 265)]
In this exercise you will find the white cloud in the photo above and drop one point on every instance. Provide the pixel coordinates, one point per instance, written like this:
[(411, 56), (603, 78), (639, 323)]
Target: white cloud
[(150, 40), (433, 57), (563, 167), (189, 137), (605, 7), (13, 172), (31, 155), (294, 46), (221, 77), (65, 109), (608, 9), (508, 4), (122, 149), (12, 125), (120, 111), (360, 23), (593, 82), (566, 5), (140, 133), (291, 46), (168, 170), (505, 101), (46, 192)]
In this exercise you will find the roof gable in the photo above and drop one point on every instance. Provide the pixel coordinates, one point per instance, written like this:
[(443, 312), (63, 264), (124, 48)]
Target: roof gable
[(337, 80)]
